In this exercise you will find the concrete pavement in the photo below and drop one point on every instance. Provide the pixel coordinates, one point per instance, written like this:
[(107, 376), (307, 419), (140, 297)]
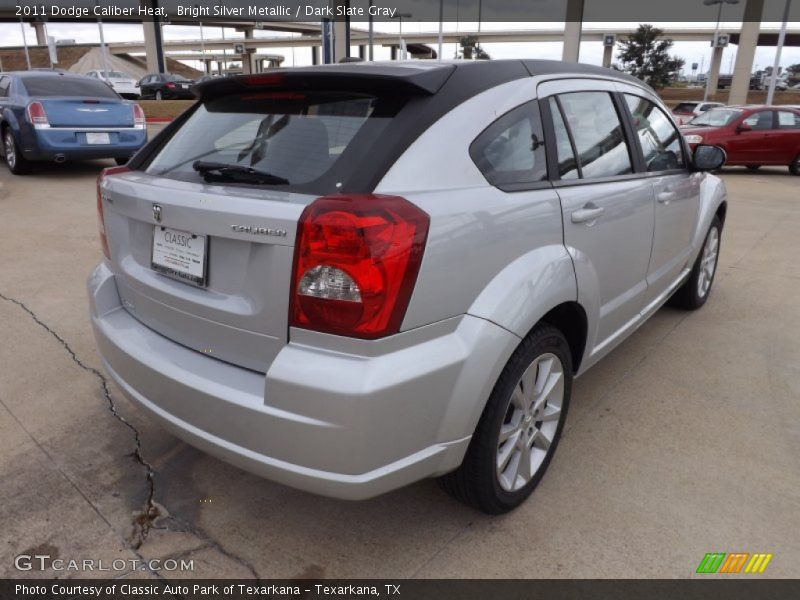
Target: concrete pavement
[(683, 441)]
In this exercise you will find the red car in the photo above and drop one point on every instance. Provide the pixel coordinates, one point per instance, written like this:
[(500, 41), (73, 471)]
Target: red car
[(751, 136)]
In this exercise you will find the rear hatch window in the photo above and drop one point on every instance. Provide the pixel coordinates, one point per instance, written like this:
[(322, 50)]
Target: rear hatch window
[(685, 108), (290, 140)]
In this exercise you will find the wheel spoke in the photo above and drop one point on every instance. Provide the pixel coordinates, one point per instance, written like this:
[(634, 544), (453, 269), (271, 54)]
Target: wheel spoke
[(508, 431), (524, 465), (543, 374), (506, 452), (518, 398), (541, 441), (551, 413), (528, 381)]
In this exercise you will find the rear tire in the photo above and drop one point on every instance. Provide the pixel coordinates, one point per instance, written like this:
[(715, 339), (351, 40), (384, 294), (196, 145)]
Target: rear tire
[(754, 167), (16, 162), (696, 289), (536, 383), (794, 168)]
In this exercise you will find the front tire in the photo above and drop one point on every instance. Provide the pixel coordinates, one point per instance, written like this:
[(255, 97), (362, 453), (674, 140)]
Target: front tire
[(695, 290), (16, 162), (159, 95), (794, 168), (519, 429), (754, 167)]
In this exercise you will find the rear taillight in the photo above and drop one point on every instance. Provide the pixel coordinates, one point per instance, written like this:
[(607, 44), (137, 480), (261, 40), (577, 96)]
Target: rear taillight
[(138, 117), (355, 265), (37, 116), (171, 85), (101, 224)]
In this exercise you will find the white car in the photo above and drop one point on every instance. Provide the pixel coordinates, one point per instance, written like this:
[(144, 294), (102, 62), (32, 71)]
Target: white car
[(686, 111), (122, 83)]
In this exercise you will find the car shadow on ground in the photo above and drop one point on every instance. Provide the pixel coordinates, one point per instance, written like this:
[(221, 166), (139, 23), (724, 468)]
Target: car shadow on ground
[(68, 169)]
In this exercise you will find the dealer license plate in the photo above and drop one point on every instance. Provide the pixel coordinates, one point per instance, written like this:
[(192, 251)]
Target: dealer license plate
[(180, 255), (97, 138)]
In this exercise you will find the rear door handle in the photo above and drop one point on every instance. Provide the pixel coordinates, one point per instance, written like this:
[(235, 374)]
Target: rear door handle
[(587, 214), (665, 197)]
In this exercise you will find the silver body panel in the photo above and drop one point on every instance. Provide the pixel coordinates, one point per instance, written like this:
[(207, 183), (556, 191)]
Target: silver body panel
[(221, 369)]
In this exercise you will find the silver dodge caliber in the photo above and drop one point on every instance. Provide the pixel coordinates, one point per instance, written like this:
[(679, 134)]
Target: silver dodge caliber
[(352, 277)]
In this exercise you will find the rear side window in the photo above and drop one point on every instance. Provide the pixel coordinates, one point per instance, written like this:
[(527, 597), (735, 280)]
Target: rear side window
[(67, 86), (786, 119), (658, 137), (597, 134), (511, 151), (295, 137)]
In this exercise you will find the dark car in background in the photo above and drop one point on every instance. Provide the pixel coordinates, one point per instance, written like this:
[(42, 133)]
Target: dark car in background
[(751, 136), (55, 116), (166, 86)]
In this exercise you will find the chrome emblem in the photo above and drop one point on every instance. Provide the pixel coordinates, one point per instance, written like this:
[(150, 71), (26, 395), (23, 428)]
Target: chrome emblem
[(259, 230), (92, 110), (157, 212)]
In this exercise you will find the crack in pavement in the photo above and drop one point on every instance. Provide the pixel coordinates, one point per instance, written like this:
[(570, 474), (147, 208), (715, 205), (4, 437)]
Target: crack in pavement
[(143, 519)]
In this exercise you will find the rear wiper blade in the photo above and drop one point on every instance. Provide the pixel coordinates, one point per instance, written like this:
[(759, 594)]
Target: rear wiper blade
[(240, 172)]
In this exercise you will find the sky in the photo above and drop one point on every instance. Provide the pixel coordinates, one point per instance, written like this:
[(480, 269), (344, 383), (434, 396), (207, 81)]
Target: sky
[(591, 52)]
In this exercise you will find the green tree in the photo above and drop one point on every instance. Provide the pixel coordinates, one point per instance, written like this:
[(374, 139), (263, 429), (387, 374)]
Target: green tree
[(647, 57), (794, 69), (470, 48)]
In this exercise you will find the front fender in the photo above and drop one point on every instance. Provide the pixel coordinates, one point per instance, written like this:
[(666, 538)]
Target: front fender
[(713, 194), (527, 289)]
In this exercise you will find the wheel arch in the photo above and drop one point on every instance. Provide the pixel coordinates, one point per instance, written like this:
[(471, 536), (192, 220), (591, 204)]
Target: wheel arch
[(571, 320)]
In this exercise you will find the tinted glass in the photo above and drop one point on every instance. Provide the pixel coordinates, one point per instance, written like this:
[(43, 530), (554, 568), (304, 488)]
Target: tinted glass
[(658, 137), (760, 120), (67, 86), (786, 119), (597, 133), (685, 108), (173, 77), (511, 150), (5, 83), (567, 166), (297, 137), (716, 117)]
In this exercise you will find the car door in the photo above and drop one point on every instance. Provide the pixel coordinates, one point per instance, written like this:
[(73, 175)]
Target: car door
[(787, 136), (607, 209), (676, 193), (748, 144)]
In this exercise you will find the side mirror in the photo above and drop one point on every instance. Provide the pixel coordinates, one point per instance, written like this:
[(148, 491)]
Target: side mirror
[(743, 127), (708, 158)]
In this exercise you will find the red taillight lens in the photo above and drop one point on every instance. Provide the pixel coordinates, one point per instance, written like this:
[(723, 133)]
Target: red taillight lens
[(263, 79), (101, 223), (356, 262), (171, 86), (37, 116), (138, 117)]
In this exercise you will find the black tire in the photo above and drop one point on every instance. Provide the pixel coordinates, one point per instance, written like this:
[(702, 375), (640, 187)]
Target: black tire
[(688, 295), (122, 161), (794, 168), (475, 482), (159, 95), (16, 162), (754, 167)]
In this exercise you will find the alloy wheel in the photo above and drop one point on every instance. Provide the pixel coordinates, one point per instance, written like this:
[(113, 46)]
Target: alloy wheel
[(708, 263), (530, 423), (10, 150)]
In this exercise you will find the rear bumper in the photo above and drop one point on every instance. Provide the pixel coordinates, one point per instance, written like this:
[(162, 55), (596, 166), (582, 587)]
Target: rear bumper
[(336, 423), (47, 144)]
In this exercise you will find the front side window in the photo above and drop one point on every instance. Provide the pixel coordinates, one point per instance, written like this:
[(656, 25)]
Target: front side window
[(511, 150), (597, 134), (759, 121), (658, 137)]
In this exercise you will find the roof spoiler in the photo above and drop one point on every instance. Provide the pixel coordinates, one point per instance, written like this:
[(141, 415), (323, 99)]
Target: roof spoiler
[(348, 77)]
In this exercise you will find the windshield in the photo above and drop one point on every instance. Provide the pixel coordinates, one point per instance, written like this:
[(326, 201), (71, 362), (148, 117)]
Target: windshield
[(716, 117), (118, 75), (294, 137)]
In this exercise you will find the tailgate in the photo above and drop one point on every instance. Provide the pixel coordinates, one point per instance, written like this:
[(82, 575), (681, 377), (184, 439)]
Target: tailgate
[(241, 314)]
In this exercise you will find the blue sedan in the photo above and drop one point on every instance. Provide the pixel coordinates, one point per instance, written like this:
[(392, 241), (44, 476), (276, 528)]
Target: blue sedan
[(55, 116)]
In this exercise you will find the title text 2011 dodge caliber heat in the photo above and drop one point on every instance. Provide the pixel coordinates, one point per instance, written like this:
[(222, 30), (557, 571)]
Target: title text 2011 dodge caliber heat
[(349, 278)]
